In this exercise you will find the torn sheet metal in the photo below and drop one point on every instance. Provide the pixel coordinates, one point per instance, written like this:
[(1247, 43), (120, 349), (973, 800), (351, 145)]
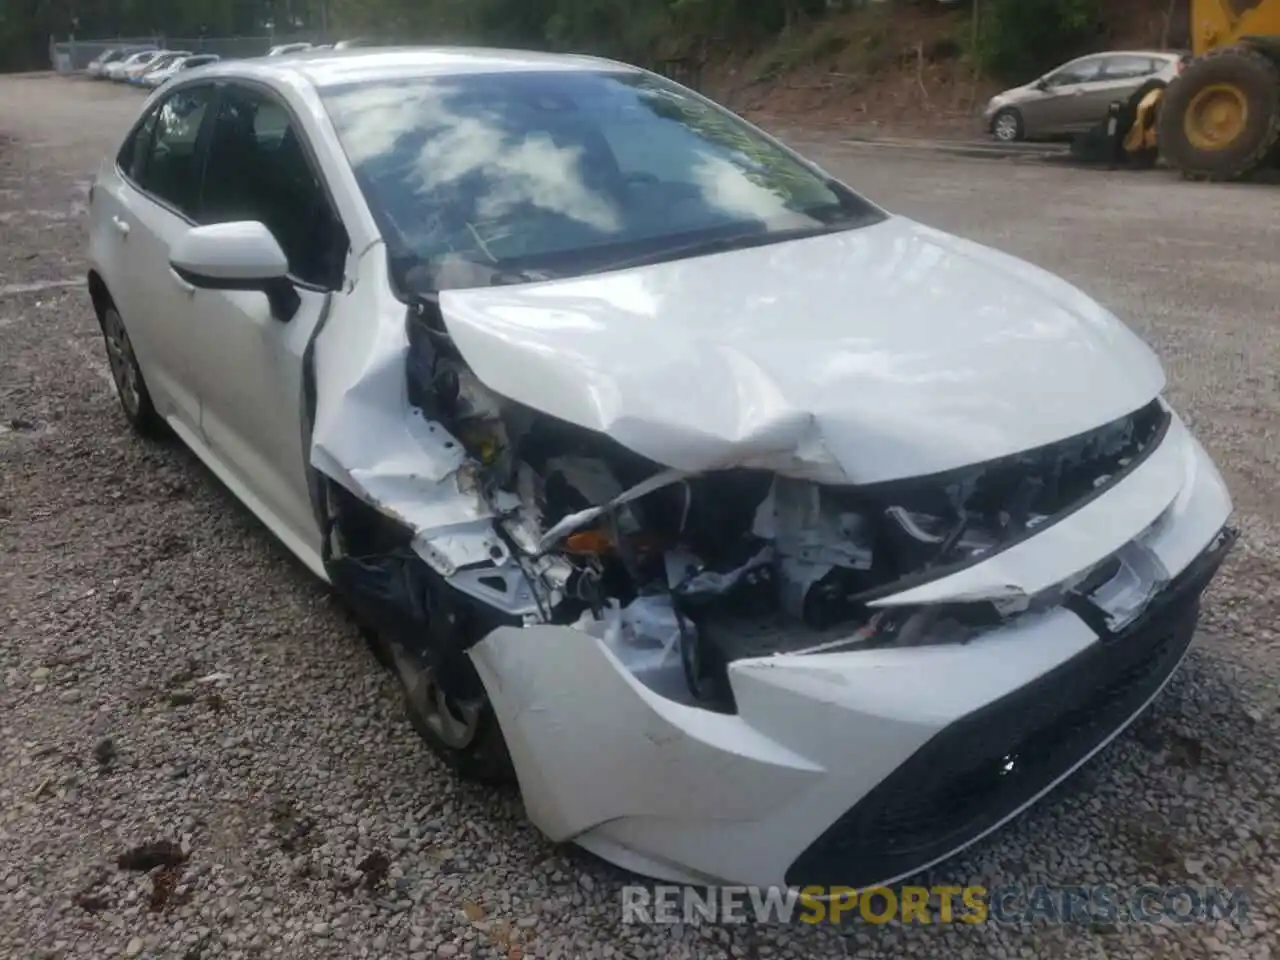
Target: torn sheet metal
[(687, 575), (862, 356), (1074, 543), (1139, 576), (645, 637), (578, 520), (368, 438)]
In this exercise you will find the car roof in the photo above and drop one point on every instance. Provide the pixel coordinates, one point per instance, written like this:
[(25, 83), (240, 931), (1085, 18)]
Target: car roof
[(1162, 54), (325, 68)]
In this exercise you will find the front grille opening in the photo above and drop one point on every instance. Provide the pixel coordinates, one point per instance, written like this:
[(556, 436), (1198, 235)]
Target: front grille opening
[(986, 766)]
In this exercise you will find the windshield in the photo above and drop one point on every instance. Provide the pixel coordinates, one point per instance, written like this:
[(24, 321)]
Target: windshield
[(502, 177)]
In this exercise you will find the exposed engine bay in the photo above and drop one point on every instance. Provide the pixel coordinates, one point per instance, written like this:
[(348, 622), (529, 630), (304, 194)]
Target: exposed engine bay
[(680, 574)]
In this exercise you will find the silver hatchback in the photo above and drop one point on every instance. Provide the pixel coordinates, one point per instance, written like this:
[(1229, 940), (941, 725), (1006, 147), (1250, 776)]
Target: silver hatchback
[(1074, 97)]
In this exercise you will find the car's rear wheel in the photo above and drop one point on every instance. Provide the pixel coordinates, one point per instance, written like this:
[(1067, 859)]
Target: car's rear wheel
[(131, 387), (1007, 126)]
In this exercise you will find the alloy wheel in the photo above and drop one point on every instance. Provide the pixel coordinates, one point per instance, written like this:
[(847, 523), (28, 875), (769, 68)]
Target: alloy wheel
[(1006, 128), (455, 722), (124, 367)]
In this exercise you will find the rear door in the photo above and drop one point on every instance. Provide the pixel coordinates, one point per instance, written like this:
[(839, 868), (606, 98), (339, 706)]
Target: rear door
[(151, 202)]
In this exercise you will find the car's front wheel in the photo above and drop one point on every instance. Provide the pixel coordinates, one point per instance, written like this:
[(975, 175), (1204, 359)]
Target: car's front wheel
[(131, 388), (459, 726), (1007, 126)]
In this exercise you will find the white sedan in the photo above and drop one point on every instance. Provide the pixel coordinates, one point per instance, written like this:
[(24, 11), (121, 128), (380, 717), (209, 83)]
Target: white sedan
[(763, 535), (119, 69), (161, 75)]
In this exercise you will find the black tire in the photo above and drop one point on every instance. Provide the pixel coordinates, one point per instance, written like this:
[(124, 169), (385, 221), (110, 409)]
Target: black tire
[(377, 647), (1257, 79), (131, 386), (1144, 159), (481, 755), (1010, 118)]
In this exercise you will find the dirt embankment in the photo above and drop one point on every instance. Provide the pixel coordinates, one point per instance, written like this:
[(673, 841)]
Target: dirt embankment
[(899, 70)]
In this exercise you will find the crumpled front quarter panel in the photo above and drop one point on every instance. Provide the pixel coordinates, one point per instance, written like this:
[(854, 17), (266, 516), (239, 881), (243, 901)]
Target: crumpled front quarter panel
[(861, 356)]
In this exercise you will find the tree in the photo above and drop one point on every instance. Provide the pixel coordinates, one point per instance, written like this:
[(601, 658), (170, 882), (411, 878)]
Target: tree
[(1019, 38)]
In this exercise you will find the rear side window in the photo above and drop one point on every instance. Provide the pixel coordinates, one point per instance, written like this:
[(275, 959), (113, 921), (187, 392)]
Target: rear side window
[(135, 146), (167, 168), (1129, 68)]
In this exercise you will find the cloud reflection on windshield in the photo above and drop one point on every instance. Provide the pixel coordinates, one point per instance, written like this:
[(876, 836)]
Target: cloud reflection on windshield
[(514, 166), (530, 170), (725, 187)]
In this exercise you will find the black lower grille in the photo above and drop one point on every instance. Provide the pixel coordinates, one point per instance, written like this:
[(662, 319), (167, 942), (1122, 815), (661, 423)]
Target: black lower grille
[(983, 767)]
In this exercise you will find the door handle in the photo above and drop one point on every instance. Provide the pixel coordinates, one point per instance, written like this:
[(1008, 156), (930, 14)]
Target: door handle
[(188, 288), (121, 226)]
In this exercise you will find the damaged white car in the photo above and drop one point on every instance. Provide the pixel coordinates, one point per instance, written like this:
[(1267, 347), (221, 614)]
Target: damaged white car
[(762, 535)]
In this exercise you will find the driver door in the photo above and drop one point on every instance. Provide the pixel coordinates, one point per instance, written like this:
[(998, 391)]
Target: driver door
[(1064, 107), (250, 376)]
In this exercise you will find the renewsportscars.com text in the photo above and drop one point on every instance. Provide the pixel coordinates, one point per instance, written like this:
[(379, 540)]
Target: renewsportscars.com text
[(940, 904)]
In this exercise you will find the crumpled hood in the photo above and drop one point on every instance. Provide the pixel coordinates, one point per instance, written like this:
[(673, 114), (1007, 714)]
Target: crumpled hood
[(856, 357)]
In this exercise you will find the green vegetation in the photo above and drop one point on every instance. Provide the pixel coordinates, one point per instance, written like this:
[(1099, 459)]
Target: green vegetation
[(1017, 37), (1020, 38)]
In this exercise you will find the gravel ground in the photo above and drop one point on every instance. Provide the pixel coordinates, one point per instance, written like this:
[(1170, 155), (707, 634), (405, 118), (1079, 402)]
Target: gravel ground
[(170, 674)]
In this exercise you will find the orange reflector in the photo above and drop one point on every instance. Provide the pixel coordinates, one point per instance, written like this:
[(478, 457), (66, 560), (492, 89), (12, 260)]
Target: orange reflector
[(589, 542), (599, 542)]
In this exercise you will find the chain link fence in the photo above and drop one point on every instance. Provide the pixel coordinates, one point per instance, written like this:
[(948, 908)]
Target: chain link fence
[(73, 56)]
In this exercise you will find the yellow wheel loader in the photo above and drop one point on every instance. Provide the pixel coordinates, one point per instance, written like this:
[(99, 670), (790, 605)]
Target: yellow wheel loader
[(1220, 118)]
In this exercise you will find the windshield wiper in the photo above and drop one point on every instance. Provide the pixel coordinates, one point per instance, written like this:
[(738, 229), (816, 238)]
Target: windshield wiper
[(701, 248)]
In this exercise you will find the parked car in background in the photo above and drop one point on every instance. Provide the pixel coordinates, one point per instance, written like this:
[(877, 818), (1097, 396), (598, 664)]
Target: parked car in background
[(157, 78), (1074, 97), (354, 42), (283, 48), (161, 66), (137, 75), (120, 68), (99, 63)]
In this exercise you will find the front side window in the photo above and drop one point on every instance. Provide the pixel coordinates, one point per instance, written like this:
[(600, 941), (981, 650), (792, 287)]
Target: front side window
[(1082, 71), (560, 173), (257, 169), (168, 167)]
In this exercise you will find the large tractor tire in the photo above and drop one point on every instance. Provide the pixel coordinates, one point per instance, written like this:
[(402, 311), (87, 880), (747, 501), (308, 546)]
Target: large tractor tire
[(1221, 118)]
